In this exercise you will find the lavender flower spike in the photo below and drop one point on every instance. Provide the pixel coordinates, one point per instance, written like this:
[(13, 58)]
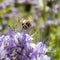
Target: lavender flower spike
[(19, 46)]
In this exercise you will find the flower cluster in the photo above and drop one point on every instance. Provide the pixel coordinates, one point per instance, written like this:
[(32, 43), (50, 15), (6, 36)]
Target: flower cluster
[(6, 3), (19, 46)]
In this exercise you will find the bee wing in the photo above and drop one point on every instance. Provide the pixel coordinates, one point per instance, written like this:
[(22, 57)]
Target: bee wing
[(21, 19), (30, 18)]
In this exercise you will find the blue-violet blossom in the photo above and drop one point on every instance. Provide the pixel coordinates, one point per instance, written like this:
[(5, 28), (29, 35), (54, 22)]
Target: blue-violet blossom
[(19, 46)]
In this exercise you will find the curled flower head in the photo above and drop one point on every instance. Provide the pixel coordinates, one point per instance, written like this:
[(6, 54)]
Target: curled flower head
[(19, 46), (41, 48)]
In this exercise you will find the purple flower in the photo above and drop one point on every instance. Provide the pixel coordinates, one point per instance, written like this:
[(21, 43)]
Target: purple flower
[(2, 6), (19, 46), (33, 1), (43, 57), (21, 1), (41, 48), (8, 2)]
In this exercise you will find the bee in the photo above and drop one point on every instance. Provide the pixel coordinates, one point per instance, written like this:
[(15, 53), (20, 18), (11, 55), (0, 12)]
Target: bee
[(26, 23)]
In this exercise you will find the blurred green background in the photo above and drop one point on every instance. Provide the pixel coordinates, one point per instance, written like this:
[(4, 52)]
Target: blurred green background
[(45, 25)]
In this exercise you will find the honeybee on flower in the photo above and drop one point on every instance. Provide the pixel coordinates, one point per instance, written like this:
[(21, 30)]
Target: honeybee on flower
[(26, 23)]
